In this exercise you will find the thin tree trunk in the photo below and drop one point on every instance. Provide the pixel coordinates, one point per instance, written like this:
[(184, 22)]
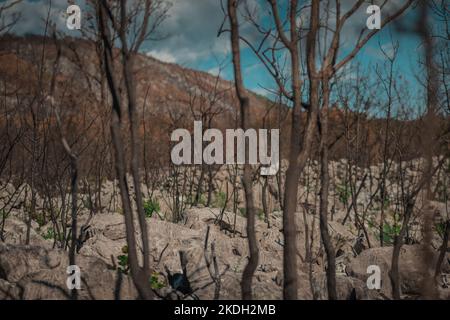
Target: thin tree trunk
[(299, 150), (443, 249), (429, 145), (199, 191), (210, 187), (74, 210), (250, 268), (139, 275), (135, 163), (398, 242), (264, 201), (324, 187)]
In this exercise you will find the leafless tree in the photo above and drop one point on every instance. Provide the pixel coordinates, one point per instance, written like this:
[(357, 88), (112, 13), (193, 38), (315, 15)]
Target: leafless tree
[(7, 21), (132, 26), (250, 268), (274, 39), (206, 104)]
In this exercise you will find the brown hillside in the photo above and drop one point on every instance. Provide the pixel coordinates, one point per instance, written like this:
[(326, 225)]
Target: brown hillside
[(171, 96)]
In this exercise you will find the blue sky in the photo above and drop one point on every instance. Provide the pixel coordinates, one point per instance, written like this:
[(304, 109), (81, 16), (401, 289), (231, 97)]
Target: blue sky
[(190, 38)]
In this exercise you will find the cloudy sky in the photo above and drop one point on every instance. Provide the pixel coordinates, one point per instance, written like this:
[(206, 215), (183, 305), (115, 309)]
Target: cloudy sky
[(190, 37)]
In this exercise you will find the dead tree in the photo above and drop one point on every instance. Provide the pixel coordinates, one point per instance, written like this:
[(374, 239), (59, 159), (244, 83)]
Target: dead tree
[(409, 201), (216, 275), (206, 104), (428, 148), (429, 142), (7, 25), (250, 268), (122, 20), (284, 34), (73, 164), (330, 66), (388, 85)]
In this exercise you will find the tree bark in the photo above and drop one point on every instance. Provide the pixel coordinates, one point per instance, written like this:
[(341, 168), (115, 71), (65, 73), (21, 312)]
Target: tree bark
[(140, 275), (250, 268), (324, 187), (443, 249)]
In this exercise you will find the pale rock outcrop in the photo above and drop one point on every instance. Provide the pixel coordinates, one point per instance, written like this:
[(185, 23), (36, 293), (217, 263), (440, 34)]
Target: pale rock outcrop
[(32, 272), (410, 268)]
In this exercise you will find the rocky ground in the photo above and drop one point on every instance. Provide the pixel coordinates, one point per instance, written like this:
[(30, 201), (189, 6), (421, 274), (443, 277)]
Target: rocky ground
[(38, 270)]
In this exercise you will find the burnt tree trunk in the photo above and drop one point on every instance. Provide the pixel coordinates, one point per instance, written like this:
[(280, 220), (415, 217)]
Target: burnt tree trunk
[(324, 188), (250, 268)]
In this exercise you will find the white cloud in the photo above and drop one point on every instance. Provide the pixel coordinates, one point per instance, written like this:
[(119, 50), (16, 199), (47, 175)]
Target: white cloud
[(163, 55), (261, 91), (190, 32), (33, 15), (214, 71)]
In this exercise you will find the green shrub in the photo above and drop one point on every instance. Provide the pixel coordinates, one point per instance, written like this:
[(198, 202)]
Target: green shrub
[(220, 200), (49, 235), (260, 213), (151, 206), (202, 200), (387, 202), (440, 228), (123, 261), (344, 193), (40, 219), (389, 233), (88, 204), (155, 283), (190, 200)]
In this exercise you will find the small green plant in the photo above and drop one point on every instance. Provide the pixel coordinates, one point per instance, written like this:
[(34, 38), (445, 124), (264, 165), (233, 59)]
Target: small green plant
[(151, 206), (260, 213), (220, 200), (123, 261), (155, 282), (40, 219), (387, 202), (243, 211), (440, 228), (50, 235), (202, 200), (390, 232), (344, 193), (87, 204)]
